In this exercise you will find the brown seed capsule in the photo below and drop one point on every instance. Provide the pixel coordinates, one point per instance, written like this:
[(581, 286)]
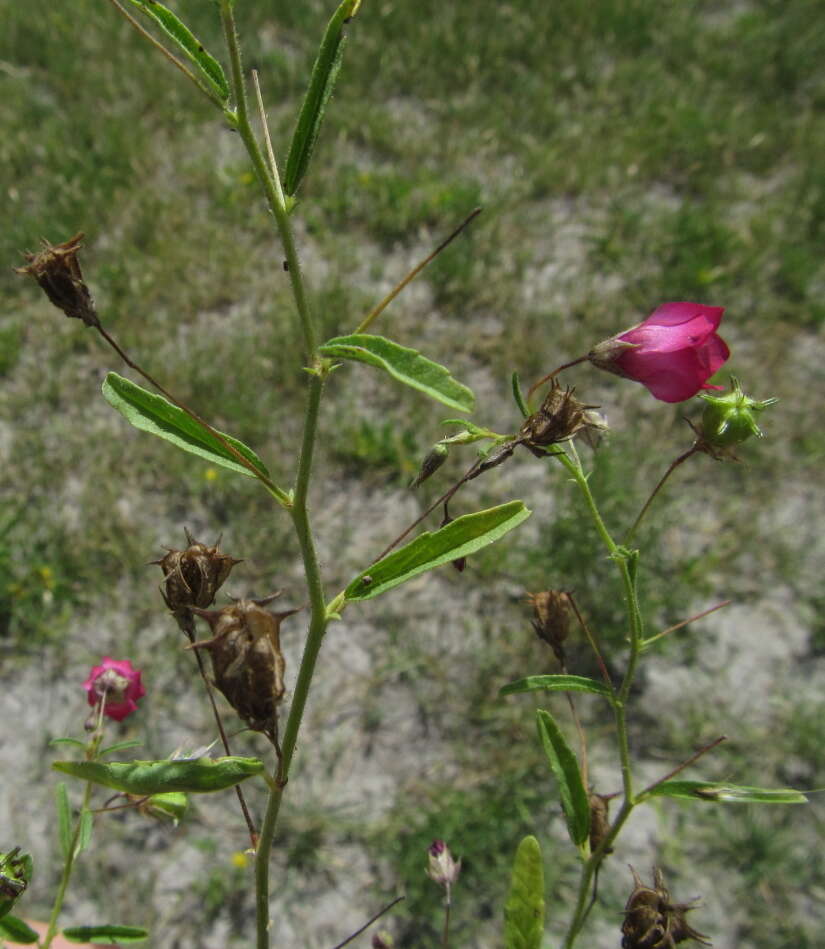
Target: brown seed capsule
[(551, 619), (652, 921), (560, 418), (247, 661), (57, 270), (599, 820), (192, 577)]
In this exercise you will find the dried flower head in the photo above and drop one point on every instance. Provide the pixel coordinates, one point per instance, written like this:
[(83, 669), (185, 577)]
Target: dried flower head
[(551, 618), (192, 577), (599, 819), (247, 661), (652, 921), (559, 419), (57, 270), (116, 683)]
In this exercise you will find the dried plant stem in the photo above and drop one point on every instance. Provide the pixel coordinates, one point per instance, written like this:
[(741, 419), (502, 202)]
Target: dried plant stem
[(673, 466), (379, 309), (368, 923)]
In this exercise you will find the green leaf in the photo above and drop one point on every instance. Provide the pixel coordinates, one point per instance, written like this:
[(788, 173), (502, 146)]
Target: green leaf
[(209, 68), (74, 742), (463, 536), (565, 767), (524, 909), (152, 413), (171, 806), (198, 775), (515, 382), (64, 818), (120, 746), (321, 83), (725, 793), (557, 683), (84, 837), (404, 365), (106, 935), (16, 930)]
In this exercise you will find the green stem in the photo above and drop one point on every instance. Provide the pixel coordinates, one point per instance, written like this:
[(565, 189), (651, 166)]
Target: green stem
[(269, 182), (625, 560), (68, 866)]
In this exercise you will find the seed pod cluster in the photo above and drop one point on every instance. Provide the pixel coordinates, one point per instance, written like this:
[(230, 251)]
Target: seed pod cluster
[(191, 578), (560, 417), (247, 662), (599, 820), (57, 270), (651, 921)]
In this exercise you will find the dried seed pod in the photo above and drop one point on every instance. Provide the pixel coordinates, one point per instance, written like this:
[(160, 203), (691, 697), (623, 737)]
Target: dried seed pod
[(560, 417), (247, 661), (652, 921), (599, 820), (551, 619), (191, 578), (57, 271), (434, 460)]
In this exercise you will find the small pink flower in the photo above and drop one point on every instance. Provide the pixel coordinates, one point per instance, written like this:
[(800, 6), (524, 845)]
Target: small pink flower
[(116, 682), (673, 352)]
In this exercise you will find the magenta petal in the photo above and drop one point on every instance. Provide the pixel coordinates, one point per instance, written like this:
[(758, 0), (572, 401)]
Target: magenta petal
[(674, 314)]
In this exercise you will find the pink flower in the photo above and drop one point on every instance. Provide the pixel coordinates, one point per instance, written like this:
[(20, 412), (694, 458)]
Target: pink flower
[(117, 683), (673, 352)]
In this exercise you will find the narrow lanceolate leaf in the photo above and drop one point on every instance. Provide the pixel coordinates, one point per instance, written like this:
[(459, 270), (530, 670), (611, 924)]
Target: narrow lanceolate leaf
[(321, 84), (556, 683), (208, 67), (563, 763), (404, 365), (524, 909), (199, 776), (154, 414), (15, 930), (64, 818), (726, 793), (119, 746), (106, 935), (463, 536)]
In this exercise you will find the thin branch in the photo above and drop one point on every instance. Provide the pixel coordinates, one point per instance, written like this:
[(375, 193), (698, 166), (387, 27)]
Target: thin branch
[(685, 622), (552, 375), (379, 309), (685, 764), (590, 638), (368, 923), (673, 466)]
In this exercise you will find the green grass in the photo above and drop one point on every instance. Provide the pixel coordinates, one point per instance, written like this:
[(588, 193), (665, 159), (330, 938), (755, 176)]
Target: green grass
[(625, 153)]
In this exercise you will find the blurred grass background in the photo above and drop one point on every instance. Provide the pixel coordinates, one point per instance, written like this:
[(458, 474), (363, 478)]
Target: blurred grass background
[(626, 152)]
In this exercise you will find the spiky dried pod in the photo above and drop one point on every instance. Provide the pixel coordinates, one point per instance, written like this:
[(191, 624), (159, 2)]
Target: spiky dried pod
[(247, 662), (57, 271), (652, 921), (560, 417), (551, 618), (192, 578)]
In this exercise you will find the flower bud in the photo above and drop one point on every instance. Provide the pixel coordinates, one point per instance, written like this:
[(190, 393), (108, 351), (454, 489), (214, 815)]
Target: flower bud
[(192, 577), (15, 876), (599, 820), (57, 270), (383, 940), (116, 683), (247, 661), (729, 419), (434, 460), (442, 868)]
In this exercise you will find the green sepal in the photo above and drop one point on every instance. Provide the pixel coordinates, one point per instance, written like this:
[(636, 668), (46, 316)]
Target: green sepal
[(180, 34), (154, 414), (321, 84), (197, 776), (461, 537), (404, 365), (524, 909), (565, 767)]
